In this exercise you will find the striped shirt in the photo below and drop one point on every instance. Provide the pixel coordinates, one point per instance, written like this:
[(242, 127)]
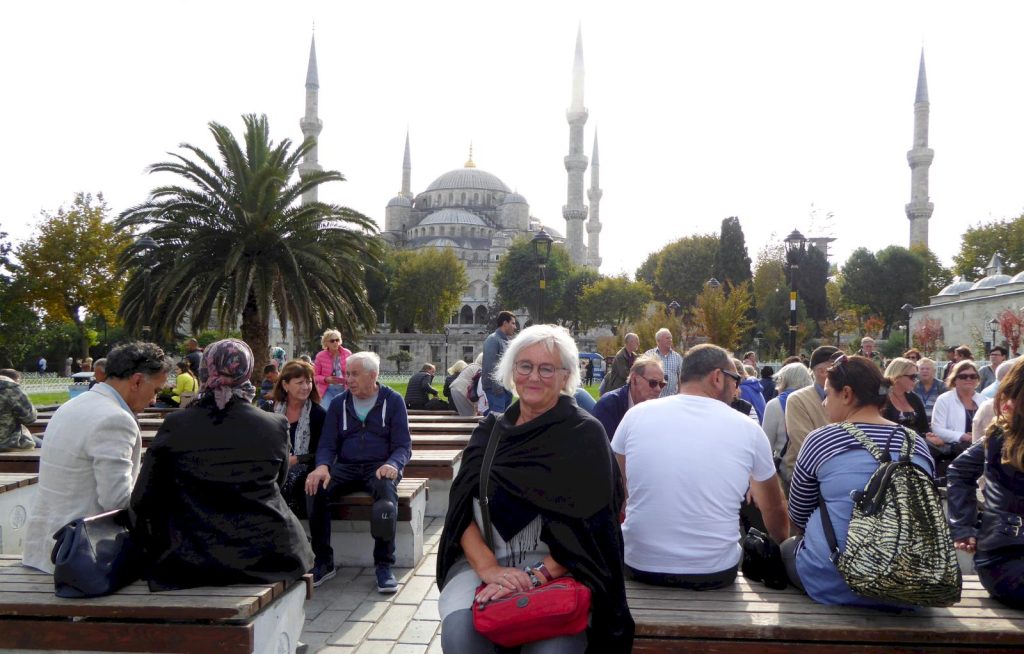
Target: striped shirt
[(672, 364), (827, 442)]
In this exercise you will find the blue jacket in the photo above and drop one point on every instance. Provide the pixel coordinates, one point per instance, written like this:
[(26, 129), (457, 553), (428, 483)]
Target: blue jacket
[(610, 409), (383, 438), (752, 391)]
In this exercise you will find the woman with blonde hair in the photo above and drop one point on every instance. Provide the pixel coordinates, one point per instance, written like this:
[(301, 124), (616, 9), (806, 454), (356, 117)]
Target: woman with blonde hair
[(953, 416), (453, 374), (329, 367), (460, 386), (998, 544), (902, 405)]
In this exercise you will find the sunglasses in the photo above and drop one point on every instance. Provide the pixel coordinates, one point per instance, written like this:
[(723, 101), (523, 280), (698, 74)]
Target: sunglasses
[(967, 376), (655, 383), (731, 375), (912, 376), (334, 340)]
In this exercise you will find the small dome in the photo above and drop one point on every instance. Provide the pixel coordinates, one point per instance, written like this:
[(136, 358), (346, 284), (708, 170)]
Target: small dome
[(442, 243), (514, 198), (1019, 277), (400, 201), (468, 178), (453, 217), (956, 288), (991, 281)]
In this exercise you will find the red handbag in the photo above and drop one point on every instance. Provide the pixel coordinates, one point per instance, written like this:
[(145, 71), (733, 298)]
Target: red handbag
[(559, 608)]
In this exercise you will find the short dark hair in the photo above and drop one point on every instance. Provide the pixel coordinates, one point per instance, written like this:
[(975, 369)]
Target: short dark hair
[(427, 367), (863, 377), (504, 317), (139, 356), (11, 374), (1000, 349), (701, 360), (767, 372), (270, 367), (965, 352)]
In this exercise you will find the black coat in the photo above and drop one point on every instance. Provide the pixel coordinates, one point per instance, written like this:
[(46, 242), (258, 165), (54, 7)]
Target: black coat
[(207, 506), (919, 422)]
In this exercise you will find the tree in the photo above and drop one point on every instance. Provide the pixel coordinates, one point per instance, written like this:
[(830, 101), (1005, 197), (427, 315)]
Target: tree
[(927, 335), (400, 357), (72, 265), (646, 273), (580, 279), (425, 290), (810, 282), (883, 283), (723, 317), (983, 240), (613, 301), (234, 241), (936, 276), (732, 264), (378, 280), (1011, 325), (518, 279), (685, 266), (771, 294), (17, 321)]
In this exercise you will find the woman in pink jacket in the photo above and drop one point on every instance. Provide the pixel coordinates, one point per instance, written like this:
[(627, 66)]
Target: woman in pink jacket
[(329, 367)]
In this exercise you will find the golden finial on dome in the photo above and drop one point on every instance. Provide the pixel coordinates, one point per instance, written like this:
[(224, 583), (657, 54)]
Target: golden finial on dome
[(469, 162)]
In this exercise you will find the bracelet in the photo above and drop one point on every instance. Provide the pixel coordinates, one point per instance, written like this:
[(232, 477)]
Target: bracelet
[(534, 579), (543, 569)]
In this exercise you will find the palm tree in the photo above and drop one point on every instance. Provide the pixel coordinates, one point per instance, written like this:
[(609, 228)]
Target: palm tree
[(235, 241)]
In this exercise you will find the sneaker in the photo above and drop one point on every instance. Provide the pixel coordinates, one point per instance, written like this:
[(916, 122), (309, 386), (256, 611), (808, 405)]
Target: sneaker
[(322, 572), (386, 582)]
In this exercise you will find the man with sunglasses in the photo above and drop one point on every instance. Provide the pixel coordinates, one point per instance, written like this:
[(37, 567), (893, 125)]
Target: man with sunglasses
[(687, 461), (644, 382)]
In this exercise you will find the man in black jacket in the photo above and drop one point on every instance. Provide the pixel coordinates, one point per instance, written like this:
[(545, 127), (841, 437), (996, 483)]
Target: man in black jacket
[(419, 390)]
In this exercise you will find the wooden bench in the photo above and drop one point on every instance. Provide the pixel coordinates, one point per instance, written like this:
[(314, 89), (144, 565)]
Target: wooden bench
[(439, 441), (424, 412), (17, 490), (350, 526), (241, 619), (751, 618), (439, 468), (441, 417)]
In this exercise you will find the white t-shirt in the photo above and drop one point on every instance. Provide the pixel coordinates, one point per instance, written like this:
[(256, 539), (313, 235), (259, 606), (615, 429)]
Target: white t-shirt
[(689, 460)]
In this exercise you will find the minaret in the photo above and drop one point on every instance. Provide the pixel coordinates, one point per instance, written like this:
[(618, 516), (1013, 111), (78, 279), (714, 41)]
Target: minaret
[(310, 123), (919, 211), (574, 211), (407, 170), (594, 224)]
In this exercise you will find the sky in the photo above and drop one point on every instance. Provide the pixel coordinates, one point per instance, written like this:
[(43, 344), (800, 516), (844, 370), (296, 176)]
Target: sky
[(772, 112)]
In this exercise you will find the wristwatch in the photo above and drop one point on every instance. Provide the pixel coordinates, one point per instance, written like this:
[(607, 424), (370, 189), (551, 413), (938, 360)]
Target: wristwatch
[(543, 570), (534, 579)]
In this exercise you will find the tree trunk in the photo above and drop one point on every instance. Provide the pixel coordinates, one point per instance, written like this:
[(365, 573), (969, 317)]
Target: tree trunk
[(256, 334)]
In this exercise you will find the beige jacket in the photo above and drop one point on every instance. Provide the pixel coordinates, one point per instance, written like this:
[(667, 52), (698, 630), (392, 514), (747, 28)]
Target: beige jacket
[(804, 414)]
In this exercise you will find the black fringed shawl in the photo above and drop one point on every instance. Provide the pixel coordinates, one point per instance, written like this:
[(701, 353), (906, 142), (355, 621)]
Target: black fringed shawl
[(558, 466)]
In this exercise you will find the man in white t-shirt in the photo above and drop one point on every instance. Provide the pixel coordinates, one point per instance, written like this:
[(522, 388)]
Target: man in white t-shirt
[(687, 462)]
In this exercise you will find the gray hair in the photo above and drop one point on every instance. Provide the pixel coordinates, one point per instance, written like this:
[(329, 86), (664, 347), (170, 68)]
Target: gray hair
[(368, 361), (138, 357), (701, 360), (639, 366), (11, 374), (793, 376), (100, 363), (1004, 368), (630, 336), (663, 330), (555, 339)]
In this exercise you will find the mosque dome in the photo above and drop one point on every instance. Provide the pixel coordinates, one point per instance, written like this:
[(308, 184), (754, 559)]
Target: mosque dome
[(400, 201), (1019, 277), (453, 217), (514, 198), (956, 288), (442, 243), (468, 178), (991, 281)]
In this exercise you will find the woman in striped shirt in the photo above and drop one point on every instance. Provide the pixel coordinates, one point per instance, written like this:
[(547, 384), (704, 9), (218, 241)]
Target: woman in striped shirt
[(831, 464)]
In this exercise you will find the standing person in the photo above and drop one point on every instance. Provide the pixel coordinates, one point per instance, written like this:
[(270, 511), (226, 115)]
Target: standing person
[(460, 387), (671, 361), (364, 447), (752, 391), (645, 381), (453, 374), (41, 366), (498, 397), (278, 356), (552, 507), (804, 412), (296, 398), (93, 448), (16, 413), (902, 405), (619, 371), (682, 509), (208, 508), (997, 546), (768, 389), (953, 416), (194, 354), (589, 371), (790, 379), (831, 465), (419, 391), (750, 359), (913, 354), (928, 387), (330, 367), (960, 353), (996, 356), (867, 350)]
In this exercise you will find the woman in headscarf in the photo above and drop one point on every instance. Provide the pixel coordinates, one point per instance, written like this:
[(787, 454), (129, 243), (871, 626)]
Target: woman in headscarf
[(552, 508), (207, 507), (296, 398)]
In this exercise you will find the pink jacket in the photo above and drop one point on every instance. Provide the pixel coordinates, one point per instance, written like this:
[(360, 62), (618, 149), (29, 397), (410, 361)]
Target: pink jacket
[(323, 367)]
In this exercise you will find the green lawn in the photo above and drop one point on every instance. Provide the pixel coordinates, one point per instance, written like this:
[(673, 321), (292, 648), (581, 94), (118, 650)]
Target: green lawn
[(43, 399)]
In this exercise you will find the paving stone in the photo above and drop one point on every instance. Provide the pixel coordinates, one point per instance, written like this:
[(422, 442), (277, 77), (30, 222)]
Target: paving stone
[(327, 622), (375, 647), (350, 633), (405, 648), (313, 639), (414, 590), (369, 611), (427, 611), (435, 645), (314, 607), (349, 600), (419, 632), (428, 567), (433, 593), (334, 649), (393, 623)]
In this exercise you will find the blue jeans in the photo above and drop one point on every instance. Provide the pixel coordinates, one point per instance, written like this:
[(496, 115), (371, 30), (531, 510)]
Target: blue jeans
[(348, 478), (498, 401), (333, 391)]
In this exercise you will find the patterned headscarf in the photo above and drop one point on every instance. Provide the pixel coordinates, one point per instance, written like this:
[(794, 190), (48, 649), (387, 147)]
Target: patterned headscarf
[(225, 371)]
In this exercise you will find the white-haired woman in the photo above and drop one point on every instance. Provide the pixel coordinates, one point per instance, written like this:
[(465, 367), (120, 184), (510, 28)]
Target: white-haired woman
[(453, 374), (790, 378), (461, 385), (329, 367), (551, 507)]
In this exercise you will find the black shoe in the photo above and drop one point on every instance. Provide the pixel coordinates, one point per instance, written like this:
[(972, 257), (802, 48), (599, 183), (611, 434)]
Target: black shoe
[(322, 572)]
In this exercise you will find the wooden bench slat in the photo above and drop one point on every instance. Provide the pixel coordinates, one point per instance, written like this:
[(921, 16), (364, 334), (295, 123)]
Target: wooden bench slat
[(126, 636)]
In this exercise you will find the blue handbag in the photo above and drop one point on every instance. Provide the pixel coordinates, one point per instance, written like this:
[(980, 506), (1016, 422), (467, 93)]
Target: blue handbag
[(95, 556)]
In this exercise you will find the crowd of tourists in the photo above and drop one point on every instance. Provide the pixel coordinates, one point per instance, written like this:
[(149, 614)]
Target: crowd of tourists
[(651, 483)]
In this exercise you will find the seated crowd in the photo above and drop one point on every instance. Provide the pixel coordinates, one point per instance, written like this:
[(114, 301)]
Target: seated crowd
[(643, 485)]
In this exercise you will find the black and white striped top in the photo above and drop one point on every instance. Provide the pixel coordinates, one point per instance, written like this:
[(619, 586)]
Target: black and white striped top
[(829, 441)]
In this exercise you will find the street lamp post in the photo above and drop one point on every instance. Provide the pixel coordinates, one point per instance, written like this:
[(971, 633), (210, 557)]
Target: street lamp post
[(758, 335), (146, 244), (541, 243), (839, 328), (909, 310), (993, 326), (794, 248)]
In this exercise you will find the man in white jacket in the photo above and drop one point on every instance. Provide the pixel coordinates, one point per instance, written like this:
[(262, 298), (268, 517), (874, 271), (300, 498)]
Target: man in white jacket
[(92, 448)]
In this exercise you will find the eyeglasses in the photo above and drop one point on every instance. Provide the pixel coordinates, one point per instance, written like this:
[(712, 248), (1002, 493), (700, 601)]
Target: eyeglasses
[(334, 340), (655, 383), (967, 376), (545, 370), (731, 375), (912, 376)]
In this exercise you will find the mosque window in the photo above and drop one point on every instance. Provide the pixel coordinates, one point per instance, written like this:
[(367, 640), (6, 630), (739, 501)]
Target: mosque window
[(476, 198), (466, 315), (497, 256), (451, 197), (481, 315), (426, 202), (463, 197)]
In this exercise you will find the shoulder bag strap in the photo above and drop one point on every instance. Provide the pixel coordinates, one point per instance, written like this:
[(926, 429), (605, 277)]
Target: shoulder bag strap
[(485, 483), (830, 532), (867, 443)]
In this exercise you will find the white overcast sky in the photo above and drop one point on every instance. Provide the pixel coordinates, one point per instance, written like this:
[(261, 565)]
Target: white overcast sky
[(705, 110)]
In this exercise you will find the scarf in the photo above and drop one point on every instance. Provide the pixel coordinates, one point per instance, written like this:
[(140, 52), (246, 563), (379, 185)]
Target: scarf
[(301, 445), (225, 371)]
